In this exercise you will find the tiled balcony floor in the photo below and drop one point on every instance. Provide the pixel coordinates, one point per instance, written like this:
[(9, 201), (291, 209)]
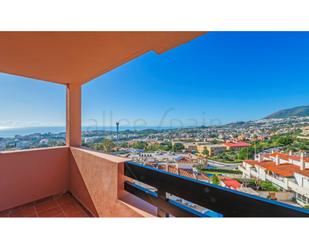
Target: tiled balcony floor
[(56, 206)]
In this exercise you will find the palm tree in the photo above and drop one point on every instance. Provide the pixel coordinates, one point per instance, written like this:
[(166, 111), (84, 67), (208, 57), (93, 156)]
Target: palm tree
[(107, 145)]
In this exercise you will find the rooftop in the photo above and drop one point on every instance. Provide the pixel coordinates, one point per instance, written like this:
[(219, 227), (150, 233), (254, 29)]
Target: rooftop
[(304, 172), (236, 144), (286, 157), (283, 169), (230, 183)]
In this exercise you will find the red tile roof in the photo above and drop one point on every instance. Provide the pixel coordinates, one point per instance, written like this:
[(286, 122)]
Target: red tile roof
[(286, 156), (283, 169), (231, 183), (265, 164), (172, 169), (304, 172), (183, 160), (202, 177), (186, 172), (236, 144), (162, 167), (251, 162)]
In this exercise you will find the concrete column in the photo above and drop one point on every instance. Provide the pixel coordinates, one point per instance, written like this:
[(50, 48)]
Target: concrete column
[(73, 115)]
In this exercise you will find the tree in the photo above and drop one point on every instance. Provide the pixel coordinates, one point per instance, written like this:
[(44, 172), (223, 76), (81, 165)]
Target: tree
[(107, 145), (215, 141), (166, 146), (178, 147), (215, 180), (140, 145), (205, 152), (268, 186), (124, 144), (284, 140), (153, 147), (246, 153)]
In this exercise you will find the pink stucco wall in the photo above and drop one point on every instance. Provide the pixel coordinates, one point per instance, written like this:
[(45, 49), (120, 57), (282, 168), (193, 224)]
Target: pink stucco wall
[(29, 175), (95, 180)]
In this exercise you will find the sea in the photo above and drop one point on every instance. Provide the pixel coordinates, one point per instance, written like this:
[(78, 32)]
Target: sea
[(11, 132)]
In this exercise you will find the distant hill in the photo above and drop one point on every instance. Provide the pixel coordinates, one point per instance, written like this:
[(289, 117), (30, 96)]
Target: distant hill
[(299, 111)]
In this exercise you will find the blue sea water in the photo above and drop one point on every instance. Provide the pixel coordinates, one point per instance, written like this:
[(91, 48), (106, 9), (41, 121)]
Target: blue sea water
[(11, 132)]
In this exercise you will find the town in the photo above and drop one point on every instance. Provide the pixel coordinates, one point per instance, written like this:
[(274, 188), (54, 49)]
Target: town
[(265, 158)]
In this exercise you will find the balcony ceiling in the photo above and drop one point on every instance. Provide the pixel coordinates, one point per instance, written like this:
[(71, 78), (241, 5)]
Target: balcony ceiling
[(78, 57)]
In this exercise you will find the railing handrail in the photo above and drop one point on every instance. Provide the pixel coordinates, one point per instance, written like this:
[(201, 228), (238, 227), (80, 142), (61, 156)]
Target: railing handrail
[(228, 202)]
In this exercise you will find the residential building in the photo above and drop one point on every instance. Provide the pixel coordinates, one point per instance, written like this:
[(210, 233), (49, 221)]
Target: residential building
[(229, 183), (22, 144), (183, 163), (190, 147), (236, 145), (287, 171), (213, 149)]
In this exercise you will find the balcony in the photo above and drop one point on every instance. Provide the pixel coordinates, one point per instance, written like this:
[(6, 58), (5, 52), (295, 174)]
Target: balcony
[(101, 185), (244, 170), (73, 181), (92, 179), (292, 184), (282, 183), (254, 173), (216, 200)]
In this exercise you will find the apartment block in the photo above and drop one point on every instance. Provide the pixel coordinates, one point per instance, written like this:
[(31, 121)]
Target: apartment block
[(287, 171)]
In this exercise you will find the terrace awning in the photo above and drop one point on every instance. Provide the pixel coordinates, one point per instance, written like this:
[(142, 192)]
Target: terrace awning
[(78, 57)]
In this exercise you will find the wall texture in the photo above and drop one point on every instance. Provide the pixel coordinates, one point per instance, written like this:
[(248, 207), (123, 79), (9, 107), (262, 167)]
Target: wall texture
[(94, 181), (29, 175)]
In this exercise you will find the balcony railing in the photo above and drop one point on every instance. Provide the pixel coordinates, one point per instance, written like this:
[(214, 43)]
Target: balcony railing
[(279, 182), (217, 200), (297, 188)]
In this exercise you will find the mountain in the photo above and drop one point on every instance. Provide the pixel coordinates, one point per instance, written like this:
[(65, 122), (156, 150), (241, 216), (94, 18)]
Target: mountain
[(299, 111)]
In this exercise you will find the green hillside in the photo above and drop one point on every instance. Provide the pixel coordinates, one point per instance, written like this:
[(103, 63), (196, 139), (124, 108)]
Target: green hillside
[(299, 111)]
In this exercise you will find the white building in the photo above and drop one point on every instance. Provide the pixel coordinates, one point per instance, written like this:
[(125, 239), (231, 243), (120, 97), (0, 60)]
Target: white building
[(287, 171), (2, 145), (23, 144), (183, 163), (44, 141)]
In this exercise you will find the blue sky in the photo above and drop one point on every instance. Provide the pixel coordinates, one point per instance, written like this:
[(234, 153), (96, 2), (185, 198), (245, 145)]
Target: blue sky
[(217, 78)]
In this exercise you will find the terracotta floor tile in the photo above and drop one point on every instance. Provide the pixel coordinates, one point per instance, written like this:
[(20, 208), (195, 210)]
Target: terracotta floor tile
[(73, 210), (55, 206), (77, 214), (57, 197), (51, 213), (67, 202), (4, 214), (24, 212), (51, 204), (71, 207), (44, 200)]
